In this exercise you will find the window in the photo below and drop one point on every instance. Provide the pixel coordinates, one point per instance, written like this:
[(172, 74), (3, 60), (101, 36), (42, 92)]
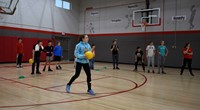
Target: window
[(63, 4)]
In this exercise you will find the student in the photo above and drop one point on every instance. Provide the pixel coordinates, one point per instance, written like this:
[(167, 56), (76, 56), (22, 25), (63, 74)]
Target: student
[(20, 52), (57, 55), (162, 53), (150, 53), (37, 48), (81, 61), (115, 54), (139, 56), (187, 58), (92, 60), (49, 52)]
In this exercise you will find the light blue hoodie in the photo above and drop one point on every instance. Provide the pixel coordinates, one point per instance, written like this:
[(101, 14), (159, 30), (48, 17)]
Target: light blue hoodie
[(81, 48)]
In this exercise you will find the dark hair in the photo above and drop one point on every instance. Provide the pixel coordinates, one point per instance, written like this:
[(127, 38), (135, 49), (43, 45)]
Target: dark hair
[(161, 41), (186, 44), (39, 41), (115, 40), (92, 45), (150, 42), (138, 48), (49, 41), (81, 37), (19, 38)]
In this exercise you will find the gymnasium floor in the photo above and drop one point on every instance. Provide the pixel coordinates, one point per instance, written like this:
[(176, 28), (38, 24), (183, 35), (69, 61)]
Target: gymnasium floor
[(115, 89)]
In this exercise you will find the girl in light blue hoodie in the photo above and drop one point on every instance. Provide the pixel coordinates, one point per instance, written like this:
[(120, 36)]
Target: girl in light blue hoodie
[(81, 61)]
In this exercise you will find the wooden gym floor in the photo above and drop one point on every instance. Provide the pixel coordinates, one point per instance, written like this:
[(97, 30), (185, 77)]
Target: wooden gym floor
[(115, 89)]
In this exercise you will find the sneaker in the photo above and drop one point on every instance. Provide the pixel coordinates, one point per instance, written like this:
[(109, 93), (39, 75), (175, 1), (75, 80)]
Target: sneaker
[(17, 66), (163, 72), (148, 71), (38, 72), (44, 68), (57, 68), (117, 68), (113, 68), (60, 67), (192, 74), (21, 66), (68, 88), (153, 71), (50, 69), (32, 73), (91, 92), (135, 70)]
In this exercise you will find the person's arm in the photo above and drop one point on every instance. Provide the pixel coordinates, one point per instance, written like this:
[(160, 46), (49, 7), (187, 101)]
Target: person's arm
[(167, 51), (142, 57), (77, 53), (112, 48), (190, 53), (33, 54), (154, 51), (117, 48), (146, 51), (186, 51)]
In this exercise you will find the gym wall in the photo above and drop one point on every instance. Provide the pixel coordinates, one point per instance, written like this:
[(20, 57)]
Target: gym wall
[(34, 20), (96, 20)]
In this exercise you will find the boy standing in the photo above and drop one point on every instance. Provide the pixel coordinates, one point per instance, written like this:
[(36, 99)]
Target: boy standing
[(20, 52), (49, 52)]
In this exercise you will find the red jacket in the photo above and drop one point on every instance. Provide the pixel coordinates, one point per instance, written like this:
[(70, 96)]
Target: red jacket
[(188, 56), (20, 48)]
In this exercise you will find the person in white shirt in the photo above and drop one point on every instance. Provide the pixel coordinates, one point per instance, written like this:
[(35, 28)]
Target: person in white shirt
[(150, 53)]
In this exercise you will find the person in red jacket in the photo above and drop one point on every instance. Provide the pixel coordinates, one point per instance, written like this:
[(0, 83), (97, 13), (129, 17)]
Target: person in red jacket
[(20, 52), (187, 58)]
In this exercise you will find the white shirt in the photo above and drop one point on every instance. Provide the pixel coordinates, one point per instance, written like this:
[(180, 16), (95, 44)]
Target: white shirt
[(150, 50)]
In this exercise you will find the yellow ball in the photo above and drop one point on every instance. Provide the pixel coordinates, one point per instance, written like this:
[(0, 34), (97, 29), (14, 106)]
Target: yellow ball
[(30, 61), (89, 55)]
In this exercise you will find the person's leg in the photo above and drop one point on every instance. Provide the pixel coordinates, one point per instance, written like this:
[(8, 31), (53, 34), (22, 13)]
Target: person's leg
[(59, 62), (33, 66), (77, 73), (183, 66), (148, 63), (88, 74), (20, 60), (152, 60), (92, 64), (113, 58), (50, 59), (189, 66), (38, 65), (136, 63), (45, 63), (143, 66), (163, 64), (117, 61), (159, 61)]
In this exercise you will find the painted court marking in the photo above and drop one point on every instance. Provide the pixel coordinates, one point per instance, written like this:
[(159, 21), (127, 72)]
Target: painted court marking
[(98, 95)]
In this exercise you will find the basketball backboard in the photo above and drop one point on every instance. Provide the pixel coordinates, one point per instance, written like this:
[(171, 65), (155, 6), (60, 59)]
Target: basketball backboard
[(151, 17), (8, 6)]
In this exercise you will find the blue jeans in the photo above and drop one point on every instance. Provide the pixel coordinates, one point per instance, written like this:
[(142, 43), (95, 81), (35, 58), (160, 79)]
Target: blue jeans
[(161, 62), (92, 63)]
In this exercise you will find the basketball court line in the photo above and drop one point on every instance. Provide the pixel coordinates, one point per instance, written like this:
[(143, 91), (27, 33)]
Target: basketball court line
[(135, 85)]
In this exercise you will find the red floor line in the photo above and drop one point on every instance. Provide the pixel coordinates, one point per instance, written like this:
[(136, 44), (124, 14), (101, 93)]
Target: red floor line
[(76, 100)]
